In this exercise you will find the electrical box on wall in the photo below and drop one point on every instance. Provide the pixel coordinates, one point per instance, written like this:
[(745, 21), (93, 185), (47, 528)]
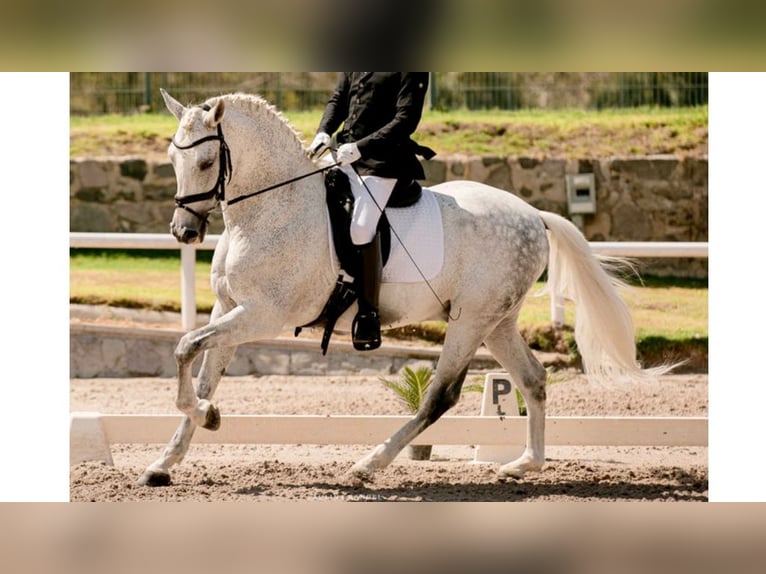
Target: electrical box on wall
[(581, 193)]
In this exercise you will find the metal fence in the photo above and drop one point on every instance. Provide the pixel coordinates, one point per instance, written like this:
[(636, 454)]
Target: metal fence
[(557, 90), (128, 92)]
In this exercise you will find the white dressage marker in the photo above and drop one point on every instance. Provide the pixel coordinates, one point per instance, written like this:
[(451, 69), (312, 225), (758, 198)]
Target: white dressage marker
[(498, 400), (87, 439)]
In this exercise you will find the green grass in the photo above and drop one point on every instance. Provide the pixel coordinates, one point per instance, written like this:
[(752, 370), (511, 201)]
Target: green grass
[(534, 133), (117, 134), (135, 279), (566, 133)]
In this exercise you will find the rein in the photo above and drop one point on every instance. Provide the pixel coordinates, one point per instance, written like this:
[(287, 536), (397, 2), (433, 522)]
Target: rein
[(282, 184), (218, 192)]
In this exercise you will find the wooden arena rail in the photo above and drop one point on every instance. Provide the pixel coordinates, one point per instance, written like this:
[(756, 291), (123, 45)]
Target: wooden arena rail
[(92, 434), (188, 304)]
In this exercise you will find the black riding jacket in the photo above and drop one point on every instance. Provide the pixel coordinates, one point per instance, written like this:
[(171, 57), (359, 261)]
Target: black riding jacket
[(380, 111)]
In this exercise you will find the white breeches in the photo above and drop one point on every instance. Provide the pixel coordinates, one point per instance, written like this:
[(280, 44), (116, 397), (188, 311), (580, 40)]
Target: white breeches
[(367, 212)]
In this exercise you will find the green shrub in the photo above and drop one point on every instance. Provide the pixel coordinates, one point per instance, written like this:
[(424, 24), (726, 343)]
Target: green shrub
[(411, 387)]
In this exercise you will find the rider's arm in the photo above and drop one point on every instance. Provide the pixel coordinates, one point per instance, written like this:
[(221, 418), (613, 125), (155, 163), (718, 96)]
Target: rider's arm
[(337, 106)]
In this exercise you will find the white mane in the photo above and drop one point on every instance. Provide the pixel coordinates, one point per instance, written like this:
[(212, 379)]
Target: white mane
[(253, 105)]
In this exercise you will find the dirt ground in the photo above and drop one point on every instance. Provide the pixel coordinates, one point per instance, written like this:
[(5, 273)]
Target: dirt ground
[(309, 472)]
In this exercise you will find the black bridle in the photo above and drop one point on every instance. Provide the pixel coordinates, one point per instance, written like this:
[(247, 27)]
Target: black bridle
[(218, 192)]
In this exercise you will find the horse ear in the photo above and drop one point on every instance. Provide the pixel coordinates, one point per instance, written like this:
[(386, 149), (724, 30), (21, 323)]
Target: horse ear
[(176, 108), (213, 115)]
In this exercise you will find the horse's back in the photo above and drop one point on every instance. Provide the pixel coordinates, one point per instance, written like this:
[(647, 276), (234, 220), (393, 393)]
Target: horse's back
[(489, 211), (492, 233), (478, 197)]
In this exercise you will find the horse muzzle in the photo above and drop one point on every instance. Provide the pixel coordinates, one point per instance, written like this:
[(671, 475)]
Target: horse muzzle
[(188, 236), (188, 230)]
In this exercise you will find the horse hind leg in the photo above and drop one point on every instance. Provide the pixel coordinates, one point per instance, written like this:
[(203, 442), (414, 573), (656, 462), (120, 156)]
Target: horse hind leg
[(511, 351), (460, 345), (442, 395)]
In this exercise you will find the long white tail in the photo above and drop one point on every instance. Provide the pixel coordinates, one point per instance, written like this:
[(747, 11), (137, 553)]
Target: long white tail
[(603, 323)]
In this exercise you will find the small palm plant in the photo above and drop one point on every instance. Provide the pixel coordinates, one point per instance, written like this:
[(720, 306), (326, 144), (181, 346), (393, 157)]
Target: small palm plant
[(412, 387), (410, 390)]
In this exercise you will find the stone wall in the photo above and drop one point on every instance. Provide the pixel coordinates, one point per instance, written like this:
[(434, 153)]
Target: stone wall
[(116, 351), (660, 198), (121, 194)]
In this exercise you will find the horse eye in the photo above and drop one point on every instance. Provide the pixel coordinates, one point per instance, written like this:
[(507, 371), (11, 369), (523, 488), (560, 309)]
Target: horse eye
[(207, 164)]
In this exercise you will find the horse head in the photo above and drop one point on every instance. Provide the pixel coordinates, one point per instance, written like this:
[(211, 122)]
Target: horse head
[(196, 149)]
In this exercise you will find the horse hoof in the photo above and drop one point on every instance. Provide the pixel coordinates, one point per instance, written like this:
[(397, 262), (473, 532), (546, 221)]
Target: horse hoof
[(155, 478), (518, 469), (516, 473), (212, 419), (357, 475)]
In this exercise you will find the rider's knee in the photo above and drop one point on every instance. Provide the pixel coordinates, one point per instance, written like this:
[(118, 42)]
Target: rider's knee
[(361, 234)]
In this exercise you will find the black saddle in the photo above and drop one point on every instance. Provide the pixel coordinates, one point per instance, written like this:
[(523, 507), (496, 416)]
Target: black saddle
[(340, 206)]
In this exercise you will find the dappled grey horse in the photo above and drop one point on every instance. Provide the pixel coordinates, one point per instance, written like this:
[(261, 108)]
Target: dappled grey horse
[(275, 267)]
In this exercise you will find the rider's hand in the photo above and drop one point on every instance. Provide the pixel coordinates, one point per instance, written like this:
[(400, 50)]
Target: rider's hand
[(347, 154), (320, 143)]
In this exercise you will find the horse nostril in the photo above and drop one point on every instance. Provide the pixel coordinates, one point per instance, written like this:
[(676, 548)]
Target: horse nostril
[(189, 235)]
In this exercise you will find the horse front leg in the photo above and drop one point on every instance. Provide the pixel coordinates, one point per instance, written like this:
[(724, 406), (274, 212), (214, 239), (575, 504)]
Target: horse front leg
[(218, 340), (197, 408), (240, 325), (213, 367)]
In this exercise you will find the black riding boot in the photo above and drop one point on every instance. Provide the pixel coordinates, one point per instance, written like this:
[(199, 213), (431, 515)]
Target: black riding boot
[(365, 329)]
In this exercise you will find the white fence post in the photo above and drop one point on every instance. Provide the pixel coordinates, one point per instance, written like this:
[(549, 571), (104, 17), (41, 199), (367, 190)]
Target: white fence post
[(557, 310)]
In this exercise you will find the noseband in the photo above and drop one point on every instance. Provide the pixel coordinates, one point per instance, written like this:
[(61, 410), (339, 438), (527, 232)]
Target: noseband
[(218, 192)]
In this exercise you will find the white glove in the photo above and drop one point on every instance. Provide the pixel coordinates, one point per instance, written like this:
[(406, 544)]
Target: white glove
[(320, 143), (347, 154)]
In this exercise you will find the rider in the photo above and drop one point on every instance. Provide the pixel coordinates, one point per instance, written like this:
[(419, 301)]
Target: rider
[(379, 112)]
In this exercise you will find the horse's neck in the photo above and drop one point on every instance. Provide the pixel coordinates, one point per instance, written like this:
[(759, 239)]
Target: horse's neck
[(299, 205), (266, 153)]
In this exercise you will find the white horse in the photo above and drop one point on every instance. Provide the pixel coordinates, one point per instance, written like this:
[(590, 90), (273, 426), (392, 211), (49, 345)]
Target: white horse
[(273, 270)]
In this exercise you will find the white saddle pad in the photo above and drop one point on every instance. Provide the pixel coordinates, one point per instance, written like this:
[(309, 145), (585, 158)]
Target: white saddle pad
[(420, 230)]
